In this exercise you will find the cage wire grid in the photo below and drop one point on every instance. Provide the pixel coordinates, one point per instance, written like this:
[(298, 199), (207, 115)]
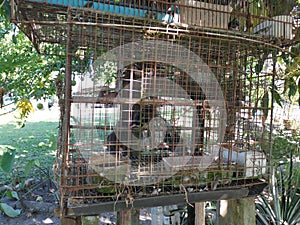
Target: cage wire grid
[(138, 127), (98, 172)]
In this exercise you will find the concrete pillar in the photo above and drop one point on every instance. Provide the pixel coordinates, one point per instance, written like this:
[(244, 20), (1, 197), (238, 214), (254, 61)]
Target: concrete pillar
[(237, 211), (129, 217), (200, 213)]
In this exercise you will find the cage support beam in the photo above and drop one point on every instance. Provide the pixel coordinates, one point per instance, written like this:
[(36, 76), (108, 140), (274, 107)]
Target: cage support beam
[(96, 209)]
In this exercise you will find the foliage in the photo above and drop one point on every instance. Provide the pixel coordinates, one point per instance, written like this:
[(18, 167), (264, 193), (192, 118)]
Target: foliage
[(255, 67), (7, 160), (21, 156), (31, 147), (283, 145), (105, 68), (9, 211), (288, 82), (24, 72), (282, 7), (106, 72), (5, 15), (7, 163), (287, 72), (283, 207)]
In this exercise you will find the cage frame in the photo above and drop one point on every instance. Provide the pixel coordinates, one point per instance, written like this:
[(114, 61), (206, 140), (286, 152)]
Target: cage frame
[(153, 201)]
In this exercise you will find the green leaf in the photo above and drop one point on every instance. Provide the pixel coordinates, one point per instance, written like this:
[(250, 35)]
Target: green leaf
[(37, 162), (28, 167), (262, 218), (293, 213), (295, 49), (6, 9), (277, 98), (14, 39), (292, 88), (12, 194), (254, 110), (286, 85), (9, 211), (259, 66), (7, 162), (265, 104)]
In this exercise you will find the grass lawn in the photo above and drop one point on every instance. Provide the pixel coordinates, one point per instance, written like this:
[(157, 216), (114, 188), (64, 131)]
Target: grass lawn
[(34, 146)]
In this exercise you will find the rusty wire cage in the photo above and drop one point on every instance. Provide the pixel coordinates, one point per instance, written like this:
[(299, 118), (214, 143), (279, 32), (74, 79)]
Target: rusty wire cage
[(161, 99)]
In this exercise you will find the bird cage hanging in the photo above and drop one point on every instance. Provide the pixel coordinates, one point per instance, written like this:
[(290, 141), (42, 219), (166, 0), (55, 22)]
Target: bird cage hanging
[(163, 102)]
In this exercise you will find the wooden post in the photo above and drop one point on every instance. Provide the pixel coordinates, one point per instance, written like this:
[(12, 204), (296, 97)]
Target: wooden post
[(237, 211), (129, 217), (200, 213)]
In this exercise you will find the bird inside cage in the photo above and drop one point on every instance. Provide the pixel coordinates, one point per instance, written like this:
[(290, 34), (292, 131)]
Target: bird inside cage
[(142, 114), (142, 128), (114, 146)]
